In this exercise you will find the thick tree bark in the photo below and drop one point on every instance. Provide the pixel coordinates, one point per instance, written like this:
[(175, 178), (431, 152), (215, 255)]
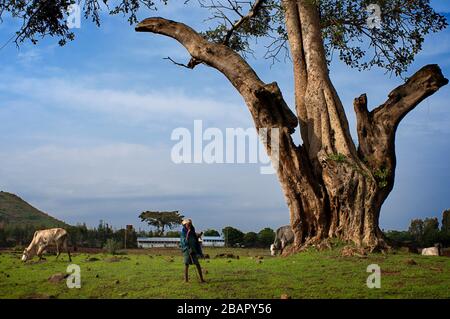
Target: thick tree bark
[(332, 188), (336, 169)]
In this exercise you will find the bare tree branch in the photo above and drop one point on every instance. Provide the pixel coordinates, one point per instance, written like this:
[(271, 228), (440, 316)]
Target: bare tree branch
[(253, 11), (231, 64), (191, 64), (265, 101)]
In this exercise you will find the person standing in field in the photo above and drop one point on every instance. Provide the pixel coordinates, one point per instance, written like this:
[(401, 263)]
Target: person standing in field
[(191, 248)]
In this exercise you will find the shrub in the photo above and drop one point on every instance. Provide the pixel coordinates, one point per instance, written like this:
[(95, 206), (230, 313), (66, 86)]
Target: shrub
[(338, 157), (112, 246), (381, 175)]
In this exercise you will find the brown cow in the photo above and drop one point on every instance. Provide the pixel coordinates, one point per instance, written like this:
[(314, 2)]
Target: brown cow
[(42, 239)]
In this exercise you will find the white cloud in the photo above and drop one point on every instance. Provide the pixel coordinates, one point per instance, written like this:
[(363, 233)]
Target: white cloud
[(132, 106), (29, 56), (104, 171), (79, 177), (82, 183)]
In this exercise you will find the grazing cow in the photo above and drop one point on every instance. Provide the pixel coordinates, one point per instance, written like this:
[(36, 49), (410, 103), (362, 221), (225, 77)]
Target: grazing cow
[(284, 236), (42, 239), (273, 251), (431, 251)]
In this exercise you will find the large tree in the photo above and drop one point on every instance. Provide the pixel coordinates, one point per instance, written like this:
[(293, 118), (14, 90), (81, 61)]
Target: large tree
[(333, 187)]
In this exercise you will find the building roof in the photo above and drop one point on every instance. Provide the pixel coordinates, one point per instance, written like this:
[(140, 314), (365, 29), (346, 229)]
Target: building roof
[(212, 238), (167, 239), (162, 239)]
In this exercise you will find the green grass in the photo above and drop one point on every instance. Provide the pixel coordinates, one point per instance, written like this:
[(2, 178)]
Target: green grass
[(159, 274)]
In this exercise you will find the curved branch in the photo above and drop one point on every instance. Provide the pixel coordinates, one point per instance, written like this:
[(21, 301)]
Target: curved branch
[(406, 97), (376, 129), (215, 55), (271, 112)]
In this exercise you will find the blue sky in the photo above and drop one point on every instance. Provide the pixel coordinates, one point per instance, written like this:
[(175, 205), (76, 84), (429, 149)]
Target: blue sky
[(85, 130)]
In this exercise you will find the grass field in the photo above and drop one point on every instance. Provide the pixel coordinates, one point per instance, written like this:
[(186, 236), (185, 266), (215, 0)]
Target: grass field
[(159, 274)]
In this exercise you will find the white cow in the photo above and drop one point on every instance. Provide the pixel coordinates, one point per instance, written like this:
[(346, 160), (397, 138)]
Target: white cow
[(431, 251), (42, 239), (273, 251)]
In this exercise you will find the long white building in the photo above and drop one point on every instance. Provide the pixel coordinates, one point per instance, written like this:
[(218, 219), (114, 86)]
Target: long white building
[(213, 241), (174, 242)]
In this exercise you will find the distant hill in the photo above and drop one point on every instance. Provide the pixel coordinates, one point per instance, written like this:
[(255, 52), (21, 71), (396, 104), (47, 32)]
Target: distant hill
[(15, 211)]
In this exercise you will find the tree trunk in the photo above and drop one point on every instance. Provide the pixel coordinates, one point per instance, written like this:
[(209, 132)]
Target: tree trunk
[(348, 206), (333, 189)]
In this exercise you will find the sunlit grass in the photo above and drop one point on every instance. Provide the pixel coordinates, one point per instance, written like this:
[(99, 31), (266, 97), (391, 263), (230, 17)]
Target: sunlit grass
[(159, 274)]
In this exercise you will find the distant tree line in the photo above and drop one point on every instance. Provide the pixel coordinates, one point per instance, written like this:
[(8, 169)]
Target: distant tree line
[(16, 235), (424, 232), (97, 237), (236, 238), (233, 236), (80, 235)]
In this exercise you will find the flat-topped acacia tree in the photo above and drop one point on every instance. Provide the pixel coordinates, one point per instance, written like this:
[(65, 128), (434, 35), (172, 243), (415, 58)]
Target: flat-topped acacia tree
[(333, 187), (161, 220)]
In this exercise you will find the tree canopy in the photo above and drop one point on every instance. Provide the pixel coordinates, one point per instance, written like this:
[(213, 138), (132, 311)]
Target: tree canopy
[(426, 232), (161, 220), (211, 232), (250, 239), (233, 237), (38, 19), (237, 24), (266, 237)]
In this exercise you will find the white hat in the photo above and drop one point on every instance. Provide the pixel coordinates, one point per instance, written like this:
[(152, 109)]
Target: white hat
[(186, 221)]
